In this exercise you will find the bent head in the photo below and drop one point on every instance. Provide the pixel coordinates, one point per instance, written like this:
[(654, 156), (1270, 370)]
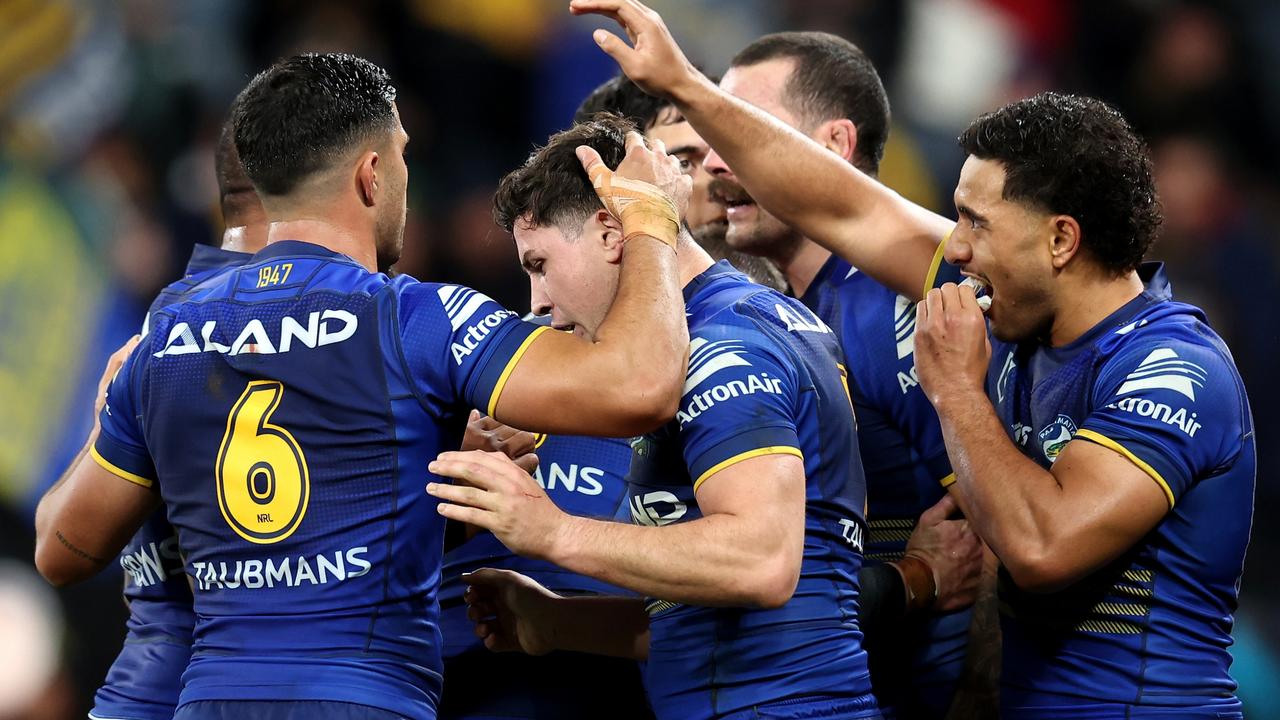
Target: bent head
[(320, 133), (819, 84), (1057, 193), (568, 244), (242, 213)]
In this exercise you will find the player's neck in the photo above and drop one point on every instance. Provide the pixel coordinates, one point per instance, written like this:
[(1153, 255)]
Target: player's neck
[(245, 238), (328, 235), (803, 265), (691, 259), (1088, 302)]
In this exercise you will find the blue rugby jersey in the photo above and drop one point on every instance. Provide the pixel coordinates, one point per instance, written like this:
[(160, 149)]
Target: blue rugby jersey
[(583, 476), (144, 680), (765, 376), (287, 413), (1146, 636), (906, 466)]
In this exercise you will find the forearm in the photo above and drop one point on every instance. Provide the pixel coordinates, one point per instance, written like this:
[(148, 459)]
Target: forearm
[(1013, 504), (711, 561), (645, 331), (600, 625), (52, 500), (816, 191)]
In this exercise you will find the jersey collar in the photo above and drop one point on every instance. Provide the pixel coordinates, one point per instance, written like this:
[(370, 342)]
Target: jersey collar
[(709, 276), (208, 257), (300, 248)]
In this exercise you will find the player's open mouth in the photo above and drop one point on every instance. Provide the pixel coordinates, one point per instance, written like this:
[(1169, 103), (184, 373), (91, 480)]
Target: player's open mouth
[(981, 290), (563, 327), (731, 196)]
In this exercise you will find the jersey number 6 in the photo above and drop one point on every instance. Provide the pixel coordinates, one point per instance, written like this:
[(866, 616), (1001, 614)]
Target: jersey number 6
[(263, 484)]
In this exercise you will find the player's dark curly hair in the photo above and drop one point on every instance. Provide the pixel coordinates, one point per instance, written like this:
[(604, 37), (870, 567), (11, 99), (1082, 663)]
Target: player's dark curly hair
[(620, 96), (832, 78), (1076, 156), (551, 188), (302, 114)]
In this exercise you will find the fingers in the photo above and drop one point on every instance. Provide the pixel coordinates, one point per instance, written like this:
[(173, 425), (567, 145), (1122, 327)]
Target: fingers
[(483, 469), (527, 462), (635, 143), (470, 515), (940, 511), (594, 165), (462, 495)]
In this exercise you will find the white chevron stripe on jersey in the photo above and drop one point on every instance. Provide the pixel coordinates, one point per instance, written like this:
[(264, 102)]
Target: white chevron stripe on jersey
[(1162, 369), (460, 303), (904, 326), (708, 358)]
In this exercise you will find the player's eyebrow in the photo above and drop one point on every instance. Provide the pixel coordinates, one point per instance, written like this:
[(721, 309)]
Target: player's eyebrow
[(683, 149), (527, 260), (970, 213)]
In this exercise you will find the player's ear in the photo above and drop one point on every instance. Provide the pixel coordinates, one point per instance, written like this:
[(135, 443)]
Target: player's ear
[(608, 234), (838, 136), (367, 178), (1064, 240)]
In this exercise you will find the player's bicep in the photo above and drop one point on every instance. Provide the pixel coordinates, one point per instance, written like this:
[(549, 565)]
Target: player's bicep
[(1112, 504), (561, 385)]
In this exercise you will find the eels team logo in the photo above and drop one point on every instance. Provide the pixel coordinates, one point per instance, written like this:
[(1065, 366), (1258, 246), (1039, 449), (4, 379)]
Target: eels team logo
[(1056, 435)]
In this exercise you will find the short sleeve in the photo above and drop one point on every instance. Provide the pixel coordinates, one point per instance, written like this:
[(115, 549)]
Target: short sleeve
[(460, 345), (739, 402), (941, 272), (121, 448), (1173, 409)]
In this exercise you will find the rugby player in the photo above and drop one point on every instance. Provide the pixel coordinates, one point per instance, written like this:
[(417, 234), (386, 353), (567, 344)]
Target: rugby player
[(659, 120), (825, 87), (144, 681), (285, 411), (1106, 454), (747, 507)]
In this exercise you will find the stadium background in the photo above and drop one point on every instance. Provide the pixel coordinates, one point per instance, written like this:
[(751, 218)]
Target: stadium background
[(109, 110)]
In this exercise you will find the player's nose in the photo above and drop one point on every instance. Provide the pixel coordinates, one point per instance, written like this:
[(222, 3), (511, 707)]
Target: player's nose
[(715, 165)]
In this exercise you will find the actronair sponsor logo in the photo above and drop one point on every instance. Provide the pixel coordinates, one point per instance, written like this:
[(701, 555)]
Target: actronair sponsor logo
[(1160, 412), (460, 303), (904, 326), (708, 358), (1163, 369)]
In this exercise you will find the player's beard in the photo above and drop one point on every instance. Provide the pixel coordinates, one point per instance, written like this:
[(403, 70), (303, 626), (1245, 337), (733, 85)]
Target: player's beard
[(711, 237), (764, 235)]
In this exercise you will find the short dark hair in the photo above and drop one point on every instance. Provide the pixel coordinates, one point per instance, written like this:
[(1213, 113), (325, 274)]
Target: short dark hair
[(832, 78), (1076, 156), (551, 188), (301, 114), (623, 98)]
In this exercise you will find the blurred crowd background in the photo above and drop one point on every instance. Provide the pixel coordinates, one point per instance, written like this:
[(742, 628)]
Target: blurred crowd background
[(109, 110)]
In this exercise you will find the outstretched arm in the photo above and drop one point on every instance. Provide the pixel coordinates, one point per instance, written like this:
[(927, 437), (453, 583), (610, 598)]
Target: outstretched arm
[(804, 185)]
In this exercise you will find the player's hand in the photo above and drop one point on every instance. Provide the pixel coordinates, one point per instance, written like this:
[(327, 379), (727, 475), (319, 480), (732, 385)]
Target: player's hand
[(954, 552), (108, 374), (647, 193), (485, 433), (496, 494), (952, 349), (511, 612), (653, 60)]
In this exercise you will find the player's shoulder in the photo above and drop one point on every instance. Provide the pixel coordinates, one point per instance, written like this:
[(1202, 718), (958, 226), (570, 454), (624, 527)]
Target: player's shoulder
[(1168, 352)]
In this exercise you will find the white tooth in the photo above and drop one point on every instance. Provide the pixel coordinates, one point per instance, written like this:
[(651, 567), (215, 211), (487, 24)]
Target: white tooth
[(984, 301)]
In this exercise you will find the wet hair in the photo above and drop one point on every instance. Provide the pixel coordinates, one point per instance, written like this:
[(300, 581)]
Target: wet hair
[(303, 114), (832, 78), (619, 96), (551, 188), (1075, 156)]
